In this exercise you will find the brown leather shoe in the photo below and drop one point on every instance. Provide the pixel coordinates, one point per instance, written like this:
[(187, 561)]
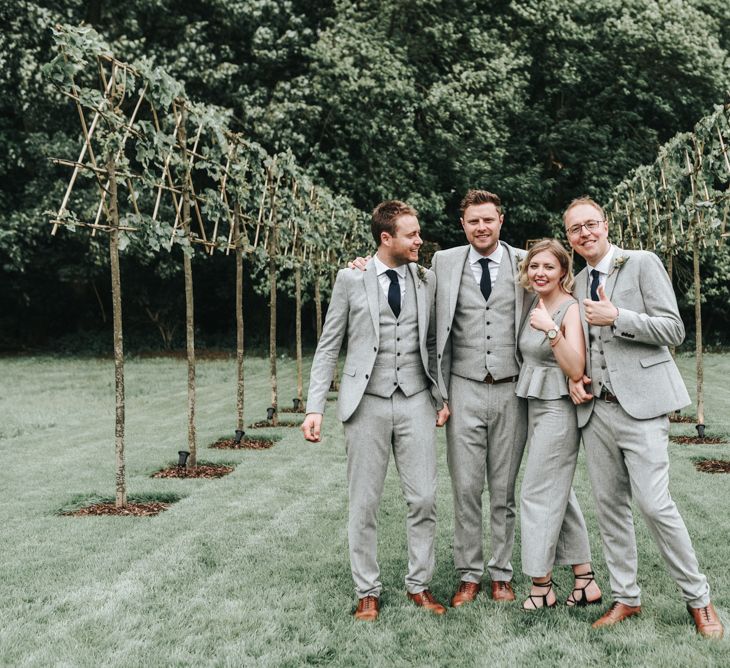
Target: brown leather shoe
[(502, 591), (425, 599), (707, 621), (615, 614), (466, 593), (368, 608)]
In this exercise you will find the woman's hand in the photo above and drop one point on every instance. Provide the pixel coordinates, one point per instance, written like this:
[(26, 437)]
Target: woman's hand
[(540, 318)]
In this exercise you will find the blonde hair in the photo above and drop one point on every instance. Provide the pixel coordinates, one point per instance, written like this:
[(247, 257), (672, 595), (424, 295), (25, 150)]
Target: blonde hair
[(578, 201), (561, 255)]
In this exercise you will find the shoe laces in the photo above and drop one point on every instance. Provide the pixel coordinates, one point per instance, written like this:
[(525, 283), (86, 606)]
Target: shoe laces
[(705, 612), (428, 596), (465, 586), (368, 603)]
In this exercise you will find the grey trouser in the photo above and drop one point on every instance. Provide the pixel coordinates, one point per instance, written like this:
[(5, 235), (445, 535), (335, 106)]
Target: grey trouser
[(485, 440), (628, 458), (407, 426), (553, 528)]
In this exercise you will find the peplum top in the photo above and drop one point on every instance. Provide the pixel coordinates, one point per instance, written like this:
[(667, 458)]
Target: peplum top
[(541, 376)]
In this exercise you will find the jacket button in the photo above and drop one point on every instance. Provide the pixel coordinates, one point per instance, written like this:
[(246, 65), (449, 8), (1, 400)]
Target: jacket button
[(395, 383), (448, 329), (397, 354), (439, 355), (375, 349), (489, 337), (489, 352), (366, 376)]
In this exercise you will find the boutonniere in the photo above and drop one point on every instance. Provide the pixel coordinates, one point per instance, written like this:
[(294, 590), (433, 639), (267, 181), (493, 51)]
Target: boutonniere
[(421, 273), (619, 261)]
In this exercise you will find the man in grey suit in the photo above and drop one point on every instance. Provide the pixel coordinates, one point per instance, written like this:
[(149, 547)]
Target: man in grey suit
[(478, 312), (630, 318), (388, 399)]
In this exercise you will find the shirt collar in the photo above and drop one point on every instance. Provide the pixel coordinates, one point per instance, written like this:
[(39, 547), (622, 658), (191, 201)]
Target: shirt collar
[(496, 255), (381, 267), (604, 266)]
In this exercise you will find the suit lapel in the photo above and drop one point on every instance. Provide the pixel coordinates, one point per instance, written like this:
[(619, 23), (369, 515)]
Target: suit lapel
[(613, 274), (420, 310), (372, 285), (455, 277), (519, 292), (580, 295)]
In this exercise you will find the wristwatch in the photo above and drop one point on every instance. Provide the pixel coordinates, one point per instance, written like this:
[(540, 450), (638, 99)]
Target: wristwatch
[(552, 334)]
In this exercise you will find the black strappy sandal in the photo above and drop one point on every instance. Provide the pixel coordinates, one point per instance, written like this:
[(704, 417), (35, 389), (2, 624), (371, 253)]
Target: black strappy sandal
[(581, 600), (535, 598)]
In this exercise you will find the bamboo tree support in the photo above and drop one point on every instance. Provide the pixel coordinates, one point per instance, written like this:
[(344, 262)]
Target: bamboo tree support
[(699, 366), (317, 301), (298, 299), (121, 484), (272, 324), (240, 394), (189, 306)]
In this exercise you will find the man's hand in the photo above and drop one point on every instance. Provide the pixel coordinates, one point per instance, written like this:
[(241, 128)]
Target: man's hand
[(540, 318), (359, 263), (602, 312), (312, 426), (578, 392), (443, 415)]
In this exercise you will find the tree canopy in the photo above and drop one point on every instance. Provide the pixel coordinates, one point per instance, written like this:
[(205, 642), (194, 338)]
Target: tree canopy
[(537, 100)]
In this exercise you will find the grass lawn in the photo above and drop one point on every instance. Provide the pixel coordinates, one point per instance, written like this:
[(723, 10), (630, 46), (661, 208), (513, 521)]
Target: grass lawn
[(252, 568)]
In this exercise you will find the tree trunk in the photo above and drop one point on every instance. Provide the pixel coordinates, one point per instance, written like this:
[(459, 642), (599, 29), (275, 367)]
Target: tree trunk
[(121, 483), (189, 306), (318, 302), (239, 322), (272, 331), (298, 296), (698, 328), (670, 268)]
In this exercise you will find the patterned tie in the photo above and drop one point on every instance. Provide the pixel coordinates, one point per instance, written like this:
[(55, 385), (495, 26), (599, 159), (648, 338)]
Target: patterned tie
[(394, 292), (485, 284), (595, 276)]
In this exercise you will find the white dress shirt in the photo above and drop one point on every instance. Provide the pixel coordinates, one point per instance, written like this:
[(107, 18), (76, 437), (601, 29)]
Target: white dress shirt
[(385, 279), (604, 268), (495, 259)]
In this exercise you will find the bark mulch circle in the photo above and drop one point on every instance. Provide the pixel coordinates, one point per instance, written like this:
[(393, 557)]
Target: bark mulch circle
[(689, 419), (199, 471), (131, 509), (713, 466), (696, 440), (244, 444), (267, 423)]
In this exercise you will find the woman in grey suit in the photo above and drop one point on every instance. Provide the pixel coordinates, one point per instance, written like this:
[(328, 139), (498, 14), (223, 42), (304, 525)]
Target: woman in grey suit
[(552, 347)]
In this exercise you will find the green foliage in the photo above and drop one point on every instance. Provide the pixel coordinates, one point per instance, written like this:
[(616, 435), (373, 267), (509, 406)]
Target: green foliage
[(539, 101)]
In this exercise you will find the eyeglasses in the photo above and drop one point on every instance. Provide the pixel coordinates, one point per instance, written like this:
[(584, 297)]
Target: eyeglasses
[(590, 225)]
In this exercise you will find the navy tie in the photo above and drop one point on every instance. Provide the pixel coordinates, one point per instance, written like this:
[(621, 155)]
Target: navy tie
[(394, 292), (595, 276), (485, 284)]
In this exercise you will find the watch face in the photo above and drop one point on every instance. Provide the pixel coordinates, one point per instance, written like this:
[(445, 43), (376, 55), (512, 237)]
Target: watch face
[(552, 333)]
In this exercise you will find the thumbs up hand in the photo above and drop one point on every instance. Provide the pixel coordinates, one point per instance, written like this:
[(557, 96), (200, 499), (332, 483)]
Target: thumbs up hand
[(602, 312), (540, 318)]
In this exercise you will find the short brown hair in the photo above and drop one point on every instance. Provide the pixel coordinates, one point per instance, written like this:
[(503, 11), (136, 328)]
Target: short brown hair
[(385, 216), (578, 201), (561, 255), (474, 197)]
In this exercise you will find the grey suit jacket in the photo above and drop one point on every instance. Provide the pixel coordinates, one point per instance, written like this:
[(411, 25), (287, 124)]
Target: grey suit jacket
[(448, 265), (354, 309), (643, 374)]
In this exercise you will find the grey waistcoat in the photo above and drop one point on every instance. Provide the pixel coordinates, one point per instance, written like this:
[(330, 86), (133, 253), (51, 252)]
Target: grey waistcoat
[(599, 370), (483, 333), (398, 364)]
